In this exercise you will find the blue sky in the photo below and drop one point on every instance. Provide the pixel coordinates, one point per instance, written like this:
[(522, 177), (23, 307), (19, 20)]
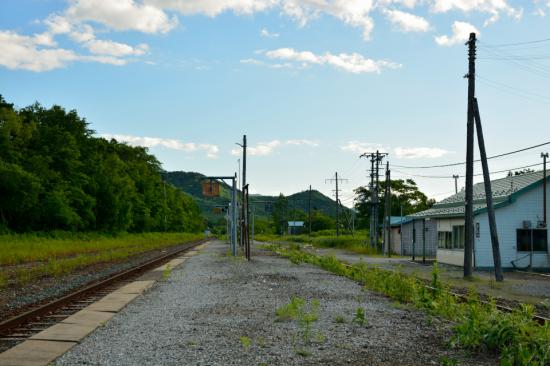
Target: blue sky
[(313, 83)]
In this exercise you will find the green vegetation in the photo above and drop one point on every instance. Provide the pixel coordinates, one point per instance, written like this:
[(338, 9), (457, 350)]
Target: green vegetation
[(166, 272), (360, 316), (515, 336), (306, 314), (58, 254), (56, 175), (327, 239), (340, 319), (245, 342)]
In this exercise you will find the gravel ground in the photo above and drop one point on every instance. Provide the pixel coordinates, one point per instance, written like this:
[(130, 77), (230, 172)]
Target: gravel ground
[(202, 312)]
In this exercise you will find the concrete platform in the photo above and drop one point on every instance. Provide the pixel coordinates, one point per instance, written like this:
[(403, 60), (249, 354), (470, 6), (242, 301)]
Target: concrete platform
[(113, 302), (136, 287), (89, 317), (172, 264), (65, 332), (34, 353)]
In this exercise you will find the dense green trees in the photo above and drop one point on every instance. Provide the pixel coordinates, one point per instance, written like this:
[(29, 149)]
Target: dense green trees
[(54, 174), (404, 193)]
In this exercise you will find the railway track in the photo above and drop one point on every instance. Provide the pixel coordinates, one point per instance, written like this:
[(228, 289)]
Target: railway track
[(23, 326)]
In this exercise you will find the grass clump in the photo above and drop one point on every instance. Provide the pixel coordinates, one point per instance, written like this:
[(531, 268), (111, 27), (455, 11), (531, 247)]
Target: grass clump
[(166, 272), (359, 317), (305, 314), (245, 342), (480, 327), (340, 319)]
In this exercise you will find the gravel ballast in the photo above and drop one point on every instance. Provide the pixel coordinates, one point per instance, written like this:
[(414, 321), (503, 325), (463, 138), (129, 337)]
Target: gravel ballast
[(218, 310)]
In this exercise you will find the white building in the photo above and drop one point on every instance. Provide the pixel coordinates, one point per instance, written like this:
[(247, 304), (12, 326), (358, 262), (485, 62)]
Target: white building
[(522, 232)]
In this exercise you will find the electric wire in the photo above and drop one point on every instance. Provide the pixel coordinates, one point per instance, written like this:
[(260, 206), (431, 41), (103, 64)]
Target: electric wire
[(477, 160), (463, 176)]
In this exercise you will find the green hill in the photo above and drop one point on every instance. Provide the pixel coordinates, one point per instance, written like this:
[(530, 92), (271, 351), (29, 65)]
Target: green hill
[(190, 182)]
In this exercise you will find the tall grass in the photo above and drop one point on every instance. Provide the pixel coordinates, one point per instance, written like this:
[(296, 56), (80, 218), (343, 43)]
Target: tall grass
[(36, 255), (515, 337), (327, 239)]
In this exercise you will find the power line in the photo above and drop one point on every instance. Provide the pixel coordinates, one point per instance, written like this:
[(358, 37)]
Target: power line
[(462, 163), (517, 43), (462, 176)]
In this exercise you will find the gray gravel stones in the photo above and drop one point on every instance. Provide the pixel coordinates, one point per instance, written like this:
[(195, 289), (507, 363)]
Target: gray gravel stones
[(208, 308)]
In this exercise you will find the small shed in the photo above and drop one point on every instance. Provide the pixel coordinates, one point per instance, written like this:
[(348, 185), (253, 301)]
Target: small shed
[(395, 239), (295, 227)]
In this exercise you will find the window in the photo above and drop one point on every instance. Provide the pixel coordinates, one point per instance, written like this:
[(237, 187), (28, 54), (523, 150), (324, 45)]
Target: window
[(538, 238), (444, 239), (458, 237)]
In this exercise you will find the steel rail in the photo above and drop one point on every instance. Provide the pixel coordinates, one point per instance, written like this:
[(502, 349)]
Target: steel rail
[(27, 317)]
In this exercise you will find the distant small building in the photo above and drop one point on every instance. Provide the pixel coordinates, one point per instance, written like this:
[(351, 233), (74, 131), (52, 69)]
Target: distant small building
[(395, 237), (419, 236), (295, 227)]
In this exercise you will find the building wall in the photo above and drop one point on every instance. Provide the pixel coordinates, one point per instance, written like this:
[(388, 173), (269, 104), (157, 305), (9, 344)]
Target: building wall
[(528, 206), (450, 256), (431, 238), (395, 240)]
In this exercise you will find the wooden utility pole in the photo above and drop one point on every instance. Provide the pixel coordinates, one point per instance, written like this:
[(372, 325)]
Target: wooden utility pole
[(469, 208), (544, 156), (488, 195), (388, 209), (456, 182)]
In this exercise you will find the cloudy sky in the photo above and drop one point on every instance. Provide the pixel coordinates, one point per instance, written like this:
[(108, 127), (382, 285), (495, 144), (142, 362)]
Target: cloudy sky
[(313, 83)]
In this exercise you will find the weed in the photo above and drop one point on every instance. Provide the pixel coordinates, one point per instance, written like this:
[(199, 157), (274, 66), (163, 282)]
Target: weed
[(245, 342), (23, 275), (191, 343), (359, 317), (339, 319), (320, 337), (291, 310), (166, 272)]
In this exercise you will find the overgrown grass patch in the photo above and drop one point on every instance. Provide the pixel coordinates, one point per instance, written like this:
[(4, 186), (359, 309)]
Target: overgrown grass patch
[(61, 254), (480, 327)]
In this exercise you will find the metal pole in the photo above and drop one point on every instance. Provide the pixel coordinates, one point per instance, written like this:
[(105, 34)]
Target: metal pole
[(376, 210), (372, 230), (401, 230), (414, 240), (253, 221), (244, 218), (388, 205), (544, 156), (469, 208), (337, 209), (424, 240), (488, 195), (309, 209), (234, 217), (165, 207)]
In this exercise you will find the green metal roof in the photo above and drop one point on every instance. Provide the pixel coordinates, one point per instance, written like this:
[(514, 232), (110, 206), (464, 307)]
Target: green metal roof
[(505, 191)]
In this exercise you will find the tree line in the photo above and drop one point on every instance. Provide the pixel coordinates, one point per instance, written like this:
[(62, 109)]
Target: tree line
[(56, 175)]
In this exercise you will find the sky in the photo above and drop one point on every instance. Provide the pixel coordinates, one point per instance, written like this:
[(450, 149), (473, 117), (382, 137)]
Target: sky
[(312, 83)]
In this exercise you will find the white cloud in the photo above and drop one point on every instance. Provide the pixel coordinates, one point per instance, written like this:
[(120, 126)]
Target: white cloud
[(461, 33), (493, 7), (268, 148), (58, 24), (102, 47), (303, 142), (210, 150), (407, 22), (358, 147), (352, 12), (121, 15), (419, 152), (354, 62), (267, 34), (24, 52)]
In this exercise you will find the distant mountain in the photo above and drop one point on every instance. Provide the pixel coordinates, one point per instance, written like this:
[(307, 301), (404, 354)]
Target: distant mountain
[(190, 182)]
